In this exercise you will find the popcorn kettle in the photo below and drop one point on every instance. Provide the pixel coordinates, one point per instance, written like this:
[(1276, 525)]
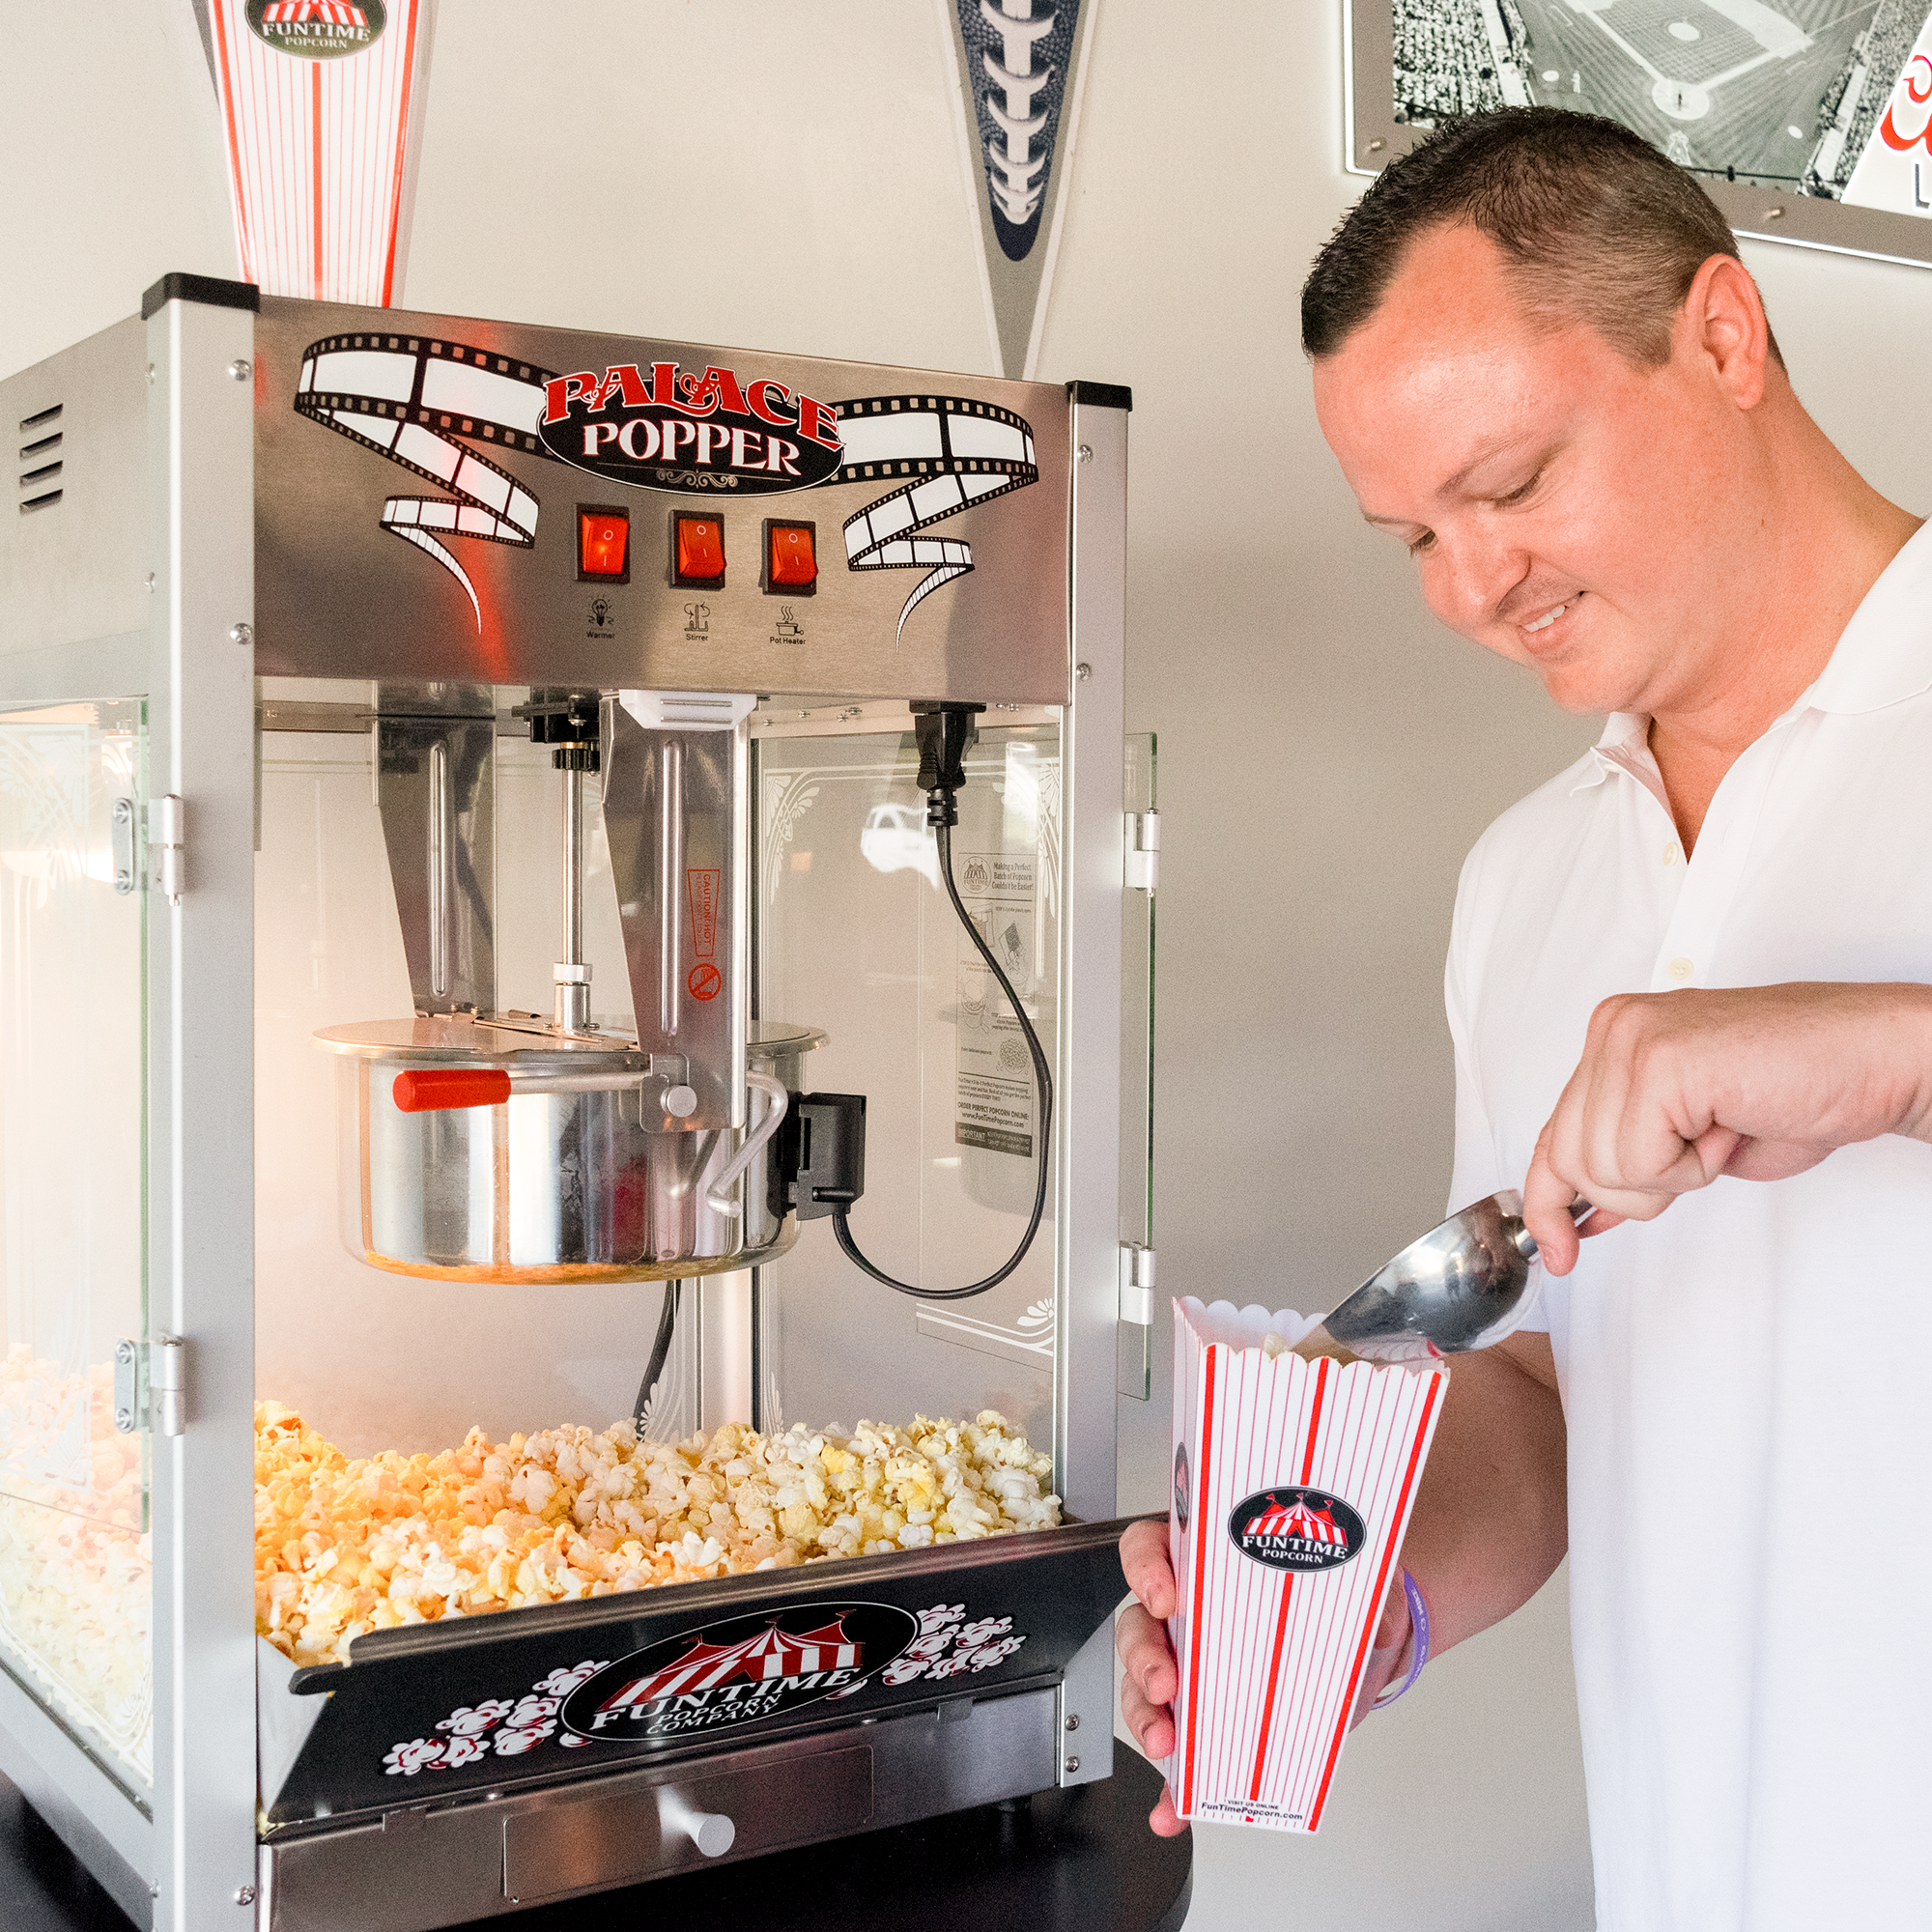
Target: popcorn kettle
[(486, 1145)]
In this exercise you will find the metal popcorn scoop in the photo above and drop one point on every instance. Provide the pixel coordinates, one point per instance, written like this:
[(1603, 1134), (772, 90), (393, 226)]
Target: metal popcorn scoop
[(1465, 1284)]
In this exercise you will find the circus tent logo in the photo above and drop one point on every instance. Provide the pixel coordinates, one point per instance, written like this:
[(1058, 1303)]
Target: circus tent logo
[(317, 29), (739, 1672), (1296, 1529)]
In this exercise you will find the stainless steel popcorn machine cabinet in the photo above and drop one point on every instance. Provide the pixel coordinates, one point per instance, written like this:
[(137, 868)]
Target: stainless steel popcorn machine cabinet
[(548, 877)]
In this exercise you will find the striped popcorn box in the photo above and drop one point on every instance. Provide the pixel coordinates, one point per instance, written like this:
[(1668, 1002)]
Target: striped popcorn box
[(1293, 1484)]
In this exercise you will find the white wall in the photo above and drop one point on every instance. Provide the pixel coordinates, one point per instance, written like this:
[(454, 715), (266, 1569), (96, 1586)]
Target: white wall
[(750, 171)]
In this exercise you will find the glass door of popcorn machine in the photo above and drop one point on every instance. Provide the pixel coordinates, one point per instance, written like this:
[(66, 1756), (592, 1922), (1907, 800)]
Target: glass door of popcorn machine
[(76, 1580)]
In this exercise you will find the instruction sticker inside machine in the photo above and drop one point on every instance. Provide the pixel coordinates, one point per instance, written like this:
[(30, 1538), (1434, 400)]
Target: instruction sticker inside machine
[(997, 1105)]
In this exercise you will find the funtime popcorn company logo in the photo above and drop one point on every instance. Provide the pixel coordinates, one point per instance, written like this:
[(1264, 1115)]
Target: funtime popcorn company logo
[(317, 29), (670, 429), (731, 1673), (1296, 1529)]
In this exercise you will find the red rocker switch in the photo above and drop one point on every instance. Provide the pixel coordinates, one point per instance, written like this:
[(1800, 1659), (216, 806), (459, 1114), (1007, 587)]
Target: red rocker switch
[(790, 564), (603, 543), (700, 551)]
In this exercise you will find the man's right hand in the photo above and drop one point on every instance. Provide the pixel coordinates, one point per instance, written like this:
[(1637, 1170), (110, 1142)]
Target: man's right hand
[(1151, 1680)]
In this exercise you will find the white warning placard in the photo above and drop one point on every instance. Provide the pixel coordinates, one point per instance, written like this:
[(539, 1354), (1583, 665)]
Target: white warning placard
[(997, 1105)]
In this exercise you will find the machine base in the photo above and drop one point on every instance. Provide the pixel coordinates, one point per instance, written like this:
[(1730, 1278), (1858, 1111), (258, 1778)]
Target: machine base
[(448, 1864)]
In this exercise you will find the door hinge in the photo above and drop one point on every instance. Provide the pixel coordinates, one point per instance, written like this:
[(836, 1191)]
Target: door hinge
[(1143, 851), (148, 1384), (166, 838), (125, 815), (1137, 1284)]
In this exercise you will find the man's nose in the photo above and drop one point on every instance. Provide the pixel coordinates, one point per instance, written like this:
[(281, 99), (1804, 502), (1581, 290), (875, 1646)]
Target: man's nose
[(1472, 576)]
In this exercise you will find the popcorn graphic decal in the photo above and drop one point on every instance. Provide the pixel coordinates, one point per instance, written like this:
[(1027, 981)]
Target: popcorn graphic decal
[(1295, 1529), (723, 1675)]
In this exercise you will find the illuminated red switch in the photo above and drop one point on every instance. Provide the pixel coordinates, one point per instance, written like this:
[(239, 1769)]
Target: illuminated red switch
[(697, 550), (603, 543), (791, 562)]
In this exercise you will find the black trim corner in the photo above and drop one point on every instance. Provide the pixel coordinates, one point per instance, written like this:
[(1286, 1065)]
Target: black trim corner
[(1102, 395), (207, 288)]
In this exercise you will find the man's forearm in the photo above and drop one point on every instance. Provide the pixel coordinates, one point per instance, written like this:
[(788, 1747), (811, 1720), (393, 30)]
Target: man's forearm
[(1492, 1519)]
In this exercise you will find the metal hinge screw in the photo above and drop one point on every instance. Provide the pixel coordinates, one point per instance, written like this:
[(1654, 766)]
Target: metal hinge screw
[(239, 370), (1083, 671), (1074, 1720), (1085, 452), (242, 634), (1073, 1765), (245, 1894)]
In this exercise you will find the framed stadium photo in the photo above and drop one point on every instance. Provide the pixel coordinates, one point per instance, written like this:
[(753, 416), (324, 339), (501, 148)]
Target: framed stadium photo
[(1808, 121)]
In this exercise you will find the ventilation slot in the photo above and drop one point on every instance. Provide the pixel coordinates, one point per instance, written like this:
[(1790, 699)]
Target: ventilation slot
[(38, 478)]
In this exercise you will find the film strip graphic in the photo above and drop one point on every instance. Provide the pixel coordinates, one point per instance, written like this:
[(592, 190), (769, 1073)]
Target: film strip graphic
[(422, 403), (953, 453)]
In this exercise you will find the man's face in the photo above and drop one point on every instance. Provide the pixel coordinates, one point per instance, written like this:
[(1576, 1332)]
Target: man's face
[(1567, 509)]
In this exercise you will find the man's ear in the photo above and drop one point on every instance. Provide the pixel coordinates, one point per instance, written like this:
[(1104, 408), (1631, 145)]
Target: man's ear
[(1723, 325)]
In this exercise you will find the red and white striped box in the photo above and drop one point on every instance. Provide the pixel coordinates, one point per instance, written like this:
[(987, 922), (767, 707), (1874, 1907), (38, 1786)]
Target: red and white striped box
[(1293, 1484)]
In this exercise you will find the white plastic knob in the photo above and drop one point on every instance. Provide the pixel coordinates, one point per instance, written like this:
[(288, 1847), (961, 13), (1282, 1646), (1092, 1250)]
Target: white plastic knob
[(680, 1102), (711, 1831)]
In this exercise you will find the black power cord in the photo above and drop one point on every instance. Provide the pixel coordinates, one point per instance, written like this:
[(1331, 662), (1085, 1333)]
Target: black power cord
[(944, 732)]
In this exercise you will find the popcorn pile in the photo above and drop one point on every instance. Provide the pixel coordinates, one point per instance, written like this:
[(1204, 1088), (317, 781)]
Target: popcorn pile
[(345, 1546), (76, 1569)]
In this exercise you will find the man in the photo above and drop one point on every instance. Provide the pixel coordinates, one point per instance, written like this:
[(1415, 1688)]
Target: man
[(1544, 368)]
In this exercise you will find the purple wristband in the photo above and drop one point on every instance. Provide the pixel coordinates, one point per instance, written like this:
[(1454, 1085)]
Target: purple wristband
[(1418, 1642)]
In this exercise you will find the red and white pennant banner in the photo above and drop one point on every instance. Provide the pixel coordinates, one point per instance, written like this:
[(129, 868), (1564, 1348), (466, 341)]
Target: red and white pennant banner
[(316, 98)]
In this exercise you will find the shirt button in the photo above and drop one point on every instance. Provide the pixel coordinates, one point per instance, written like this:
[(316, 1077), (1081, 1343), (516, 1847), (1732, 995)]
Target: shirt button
[(1672, 853), (1680, 969)]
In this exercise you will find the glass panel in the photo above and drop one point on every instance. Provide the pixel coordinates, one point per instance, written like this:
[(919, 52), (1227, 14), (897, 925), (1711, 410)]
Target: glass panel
[(1137, 916), (856, 935), (75, 1579)]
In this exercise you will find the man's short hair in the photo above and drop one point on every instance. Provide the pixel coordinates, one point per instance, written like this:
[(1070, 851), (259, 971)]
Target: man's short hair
[(1599, 226)]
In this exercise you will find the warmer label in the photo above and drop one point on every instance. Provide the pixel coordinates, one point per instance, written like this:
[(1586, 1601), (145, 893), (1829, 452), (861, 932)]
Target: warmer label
[(667, 428), (1296, 1529)]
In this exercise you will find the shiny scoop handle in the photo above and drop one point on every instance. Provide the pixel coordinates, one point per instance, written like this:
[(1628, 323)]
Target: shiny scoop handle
[(1580, 1211)]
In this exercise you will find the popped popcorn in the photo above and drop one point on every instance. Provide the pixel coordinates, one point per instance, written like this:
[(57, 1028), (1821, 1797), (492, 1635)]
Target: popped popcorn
[(344, 1547), (75, 1571)]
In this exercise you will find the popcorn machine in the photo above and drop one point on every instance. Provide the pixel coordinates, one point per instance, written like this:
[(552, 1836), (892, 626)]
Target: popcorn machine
[(650, 799)]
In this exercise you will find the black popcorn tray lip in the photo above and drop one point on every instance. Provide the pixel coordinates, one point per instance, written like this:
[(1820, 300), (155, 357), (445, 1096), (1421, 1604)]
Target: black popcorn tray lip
[(516, 1699)]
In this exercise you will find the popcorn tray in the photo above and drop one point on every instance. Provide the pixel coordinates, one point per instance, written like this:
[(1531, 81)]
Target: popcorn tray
[(1292, 1485), (569, 1690)]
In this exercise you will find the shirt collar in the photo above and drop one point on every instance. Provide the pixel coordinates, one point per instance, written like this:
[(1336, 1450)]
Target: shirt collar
[(1883, 657)]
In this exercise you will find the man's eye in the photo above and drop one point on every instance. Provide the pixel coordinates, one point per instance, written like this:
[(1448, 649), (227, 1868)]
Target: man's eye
[(1516, 495)]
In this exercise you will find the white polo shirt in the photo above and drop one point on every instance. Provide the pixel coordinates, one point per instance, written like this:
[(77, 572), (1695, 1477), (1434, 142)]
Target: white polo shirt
[(1747, 1379)]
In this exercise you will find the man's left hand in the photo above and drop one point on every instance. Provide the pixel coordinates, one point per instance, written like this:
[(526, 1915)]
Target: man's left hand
[(1675, 1089)]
